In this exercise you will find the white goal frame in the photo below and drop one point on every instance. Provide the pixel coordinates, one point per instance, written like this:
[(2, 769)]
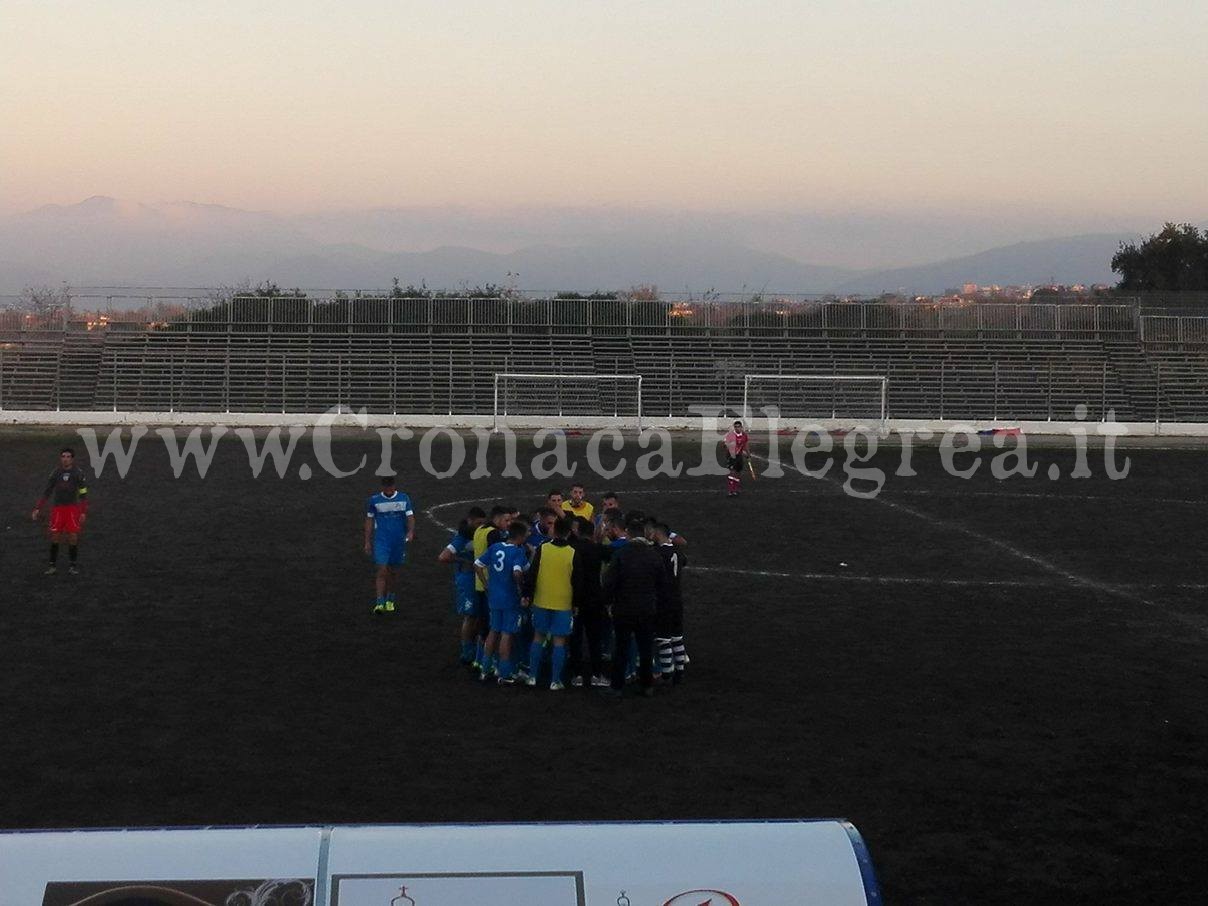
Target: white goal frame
[(508, 375), (821, 379)]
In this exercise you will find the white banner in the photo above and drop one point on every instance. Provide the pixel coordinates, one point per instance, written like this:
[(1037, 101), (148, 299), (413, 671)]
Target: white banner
[(646, 864), (225, 867)]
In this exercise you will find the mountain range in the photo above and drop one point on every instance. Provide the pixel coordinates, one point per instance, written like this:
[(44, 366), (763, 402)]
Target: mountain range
[(106, 242)]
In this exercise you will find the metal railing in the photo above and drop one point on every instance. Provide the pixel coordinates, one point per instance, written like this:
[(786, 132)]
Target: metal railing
[(1174, 330), (596, 317), (222, 376)]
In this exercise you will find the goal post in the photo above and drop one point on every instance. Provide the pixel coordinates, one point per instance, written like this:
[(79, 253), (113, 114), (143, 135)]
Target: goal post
[(599, 397), (818, 396)]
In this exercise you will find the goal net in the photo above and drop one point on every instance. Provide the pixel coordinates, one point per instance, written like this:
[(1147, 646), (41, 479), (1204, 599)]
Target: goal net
[(588, 400), (854, 398)]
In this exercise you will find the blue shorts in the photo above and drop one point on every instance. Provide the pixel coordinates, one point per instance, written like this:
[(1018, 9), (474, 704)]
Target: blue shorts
[(552, 622), (465, 596), (389, 551), (505, 620)]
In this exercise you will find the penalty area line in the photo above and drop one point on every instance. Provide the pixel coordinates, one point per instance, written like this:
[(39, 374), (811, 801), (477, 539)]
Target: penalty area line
[(929, 580), (877, 580), (1069, 576), (430, 513)]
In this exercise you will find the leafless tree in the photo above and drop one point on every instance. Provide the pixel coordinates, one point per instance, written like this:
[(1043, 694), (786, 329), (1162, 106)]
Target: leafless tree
[(45, 302)]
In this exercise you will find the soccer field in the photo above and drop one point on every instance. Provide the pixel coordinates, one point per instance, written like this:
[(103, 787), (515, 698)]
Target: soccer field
[(1002, 684)]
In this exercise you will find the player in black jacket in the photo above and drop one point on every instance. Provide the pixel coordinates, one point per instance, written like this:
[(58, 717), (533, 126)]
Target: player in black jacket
[(635, 587), (587, 634)]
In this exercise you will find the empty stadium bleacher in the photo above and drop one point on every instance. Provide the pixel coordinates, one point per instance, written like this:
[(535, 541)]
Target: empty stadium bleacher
[(961, 372)]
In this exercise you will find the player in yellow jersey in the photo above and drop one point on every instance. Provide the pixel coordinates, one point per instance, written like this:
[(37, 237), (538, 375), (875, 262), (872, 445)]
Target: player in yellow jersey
[(578, 505), (553, 585)]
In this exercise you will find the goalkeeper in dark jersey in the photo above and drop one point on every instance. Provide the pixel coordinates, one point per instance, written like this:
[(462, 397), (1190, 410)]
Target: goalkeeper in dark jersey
[(67, 493), (671, 655)]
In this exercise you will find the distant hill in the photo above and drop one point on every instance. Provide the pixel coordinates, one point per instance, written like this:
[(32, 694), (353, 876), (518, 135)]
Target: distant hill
[(1068, 260), (104, 241)]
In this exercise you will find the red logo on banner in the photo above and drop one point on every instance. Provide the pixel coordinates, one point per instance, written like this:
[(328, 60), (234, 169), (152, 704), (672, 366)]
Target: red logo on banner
[(711, 898)]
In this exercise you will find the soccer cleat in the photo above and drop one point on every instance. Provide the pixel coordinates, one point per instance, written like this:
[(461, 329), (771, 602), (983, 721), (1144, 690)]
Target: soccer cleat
[(73, 570), (529, 680), (577, 682), (379, 608), (51, 570), (599, 682), (556, 687), (507, 680), (389, 607)]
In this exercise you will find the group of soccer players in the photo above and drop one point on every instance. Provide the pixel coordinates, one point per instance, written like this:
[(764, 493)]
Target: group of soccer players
[(570, 588)]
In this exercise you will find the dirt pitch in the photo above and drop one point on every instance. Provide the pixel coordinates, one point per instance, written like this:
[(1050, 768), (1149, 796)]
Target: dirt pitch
[(1005, 688)]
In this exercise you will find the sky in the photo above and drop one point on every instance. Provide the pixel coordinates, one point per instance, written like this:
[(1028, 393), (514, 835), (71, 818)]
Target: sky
[(1078, 112)]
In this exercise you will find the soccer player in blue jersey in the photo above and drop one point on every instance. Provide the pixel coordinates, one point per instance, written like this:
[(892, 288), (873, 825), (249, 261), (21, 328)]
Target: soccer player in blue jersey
[(542, 528), (389, 527), (460, 552), (501, 567), (612, 503), (495, 529)]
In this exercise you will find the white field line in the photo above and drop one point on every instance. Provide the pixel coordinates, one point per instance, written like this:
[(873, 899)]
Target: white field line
[(431, 511), (876, 580), (931, 580), (1069, 576), (1131, 500)]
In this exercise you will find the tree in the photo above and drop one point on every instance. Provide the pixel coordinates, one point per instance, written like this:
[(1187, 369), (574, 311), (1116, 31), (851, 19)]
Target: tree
[(44, 302), (1175, 259), (410, 291)]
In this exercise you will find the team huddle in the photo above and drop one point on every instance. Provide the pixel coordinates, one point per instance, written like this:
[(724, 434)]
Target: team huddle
[(572, 589), (565, 585)]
